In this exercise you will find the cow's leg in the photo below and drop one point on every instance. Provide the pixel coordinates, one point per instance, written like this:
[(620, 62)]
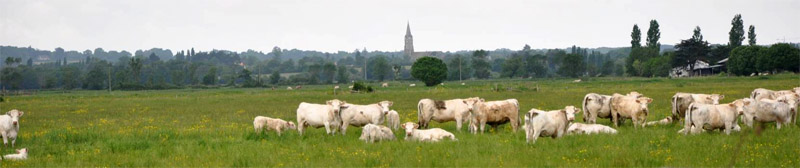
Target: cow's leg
[(514, 124), (300, 126), (5, 137), (344, 127), (459, 121), (615, 119), (536, 135), (728, 127), (483, 125), (327, 127)]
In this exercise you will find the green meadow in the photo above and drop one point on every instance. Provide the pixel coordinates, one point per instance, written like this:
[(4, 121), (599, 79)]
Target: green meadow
[(213, 127)]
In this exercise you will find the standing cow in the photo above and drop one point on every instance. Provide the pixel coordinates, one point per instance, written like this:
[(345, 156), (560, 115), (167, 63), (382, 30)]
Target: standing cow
[(442, 111), (9, 126), (320, 115), (633, 107), (713, 116), (762, 93), (548, 123), (360, 115), (494, 113), (598, 106), (681, 101), (765, 110)]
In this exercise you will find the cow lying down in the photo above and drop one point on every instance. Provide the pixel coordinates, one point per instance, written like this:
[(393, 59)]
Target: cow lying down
[(580, 128), (372, 133), (426, 135)]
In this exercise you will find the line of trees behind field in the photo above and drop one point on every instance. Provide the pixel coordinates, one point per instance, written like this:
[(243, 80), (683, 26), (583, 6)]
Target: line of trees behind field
[(29, 68)]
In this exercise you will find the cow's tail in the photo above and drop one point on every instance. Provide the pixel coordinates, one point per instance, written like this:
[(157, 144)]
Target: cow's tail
[(754, 94), (419, 112), (687, 127), (585, 112), (516, 104), (675, 107)]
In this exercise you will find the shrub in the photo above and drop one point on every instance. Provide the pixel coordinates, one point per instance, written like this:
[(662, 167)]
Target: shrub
[(429, 70)]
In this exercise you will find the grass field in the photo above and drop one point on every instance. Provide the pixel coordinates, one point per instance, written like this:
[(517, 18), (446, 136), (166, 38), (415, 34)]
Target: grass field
[(191, 128)]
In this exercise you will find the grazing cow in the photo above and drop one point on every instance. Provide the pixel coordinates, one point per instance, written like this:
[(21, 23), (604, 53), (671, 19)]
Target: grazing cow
[(598, 106), (393, 119), (22, 154), (631, 107), (371, 133), (336, 87), (548, 123), (588, 129), (320, 115), (664, 121), (576, 81), (426, 135), (350, 87), (298, 87), (289, 88), (494, 113), (762, 93), (442, 111), (412, 85), (462, 84), (360, 115), (385, 85), (261, 123), (766, 110), (681, 101), (9, 126), (713, 116)]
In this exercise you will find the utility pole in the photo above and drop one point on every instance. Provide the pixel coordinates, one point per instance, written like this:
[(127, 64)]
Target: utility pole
[(459, 68), (109, 77)]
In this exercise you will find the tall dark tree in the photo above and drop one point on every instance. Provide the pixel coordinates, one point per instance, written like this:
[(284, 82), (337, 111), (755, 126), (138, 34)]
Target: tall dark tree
[(743, 60), (480, 64), (342, 76), (691, 50), (379, 67), (636, 37), (573, 65), (653, 34), (430, 70), (275, 77), (135, 65), (751, 35), (211, 77), (736, 35)]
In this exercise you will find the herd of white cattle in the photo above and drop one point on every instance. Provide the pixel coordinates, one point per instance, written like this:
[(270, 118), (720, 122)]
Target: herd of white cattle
[(700, 112)]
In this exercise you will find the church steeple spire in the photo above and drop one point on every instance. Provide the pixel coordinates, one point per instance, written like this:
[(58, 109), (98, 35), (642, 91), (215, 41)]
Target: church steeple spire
[(409, 48)]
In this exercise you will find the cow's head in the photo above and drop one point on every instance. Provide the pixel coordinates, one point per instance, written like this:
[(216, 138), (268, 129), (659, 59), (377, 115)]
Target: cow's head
[(292, 126), (740, 106), (715, 98), (385, 106), (337, 105), (410, 127), (791, 99), (15, 114), (570, 111), (472, 101), (635, 94), (796, 90), (749, 110), (23, 150), (643, 101)]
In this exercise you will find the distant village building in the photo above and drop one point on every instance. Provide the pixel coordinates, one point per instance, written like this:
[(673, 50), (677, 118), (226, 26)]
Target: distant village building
[(701, 68), (409, 47)]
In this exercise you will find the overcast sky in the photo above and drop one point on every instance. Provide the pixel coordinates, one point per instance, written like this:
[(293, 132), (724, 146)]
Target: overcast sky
[(332, 25)]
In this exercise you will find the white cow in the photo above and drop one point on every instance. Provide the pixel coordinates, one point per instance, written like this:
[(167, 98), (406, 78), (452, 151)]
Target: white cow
[(261, 123), (320, 115), (289, 88), (22, 154), (580, 128), (426, 135), (765, 110), (360, 115), (713, 116), (548, 123), (599, 106), (393, 119), (494, 113), (384, 84), (412, 85), (633, 107), (9, 126), (681, 101), (762, 93), (442, 111), (664, 121), (371, 133)]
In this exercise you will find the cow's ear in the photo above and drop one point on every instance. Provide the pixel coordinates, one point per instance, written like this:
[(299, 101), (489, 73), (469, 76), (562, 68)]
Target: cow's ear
[(20, 113), (721, 97), (564, 111), (637, 101), (577, 110), (649, 100), (733, 104), (391, 103), (709, 98), (329, 102), (746, 103), (483, 100), (464, 101)]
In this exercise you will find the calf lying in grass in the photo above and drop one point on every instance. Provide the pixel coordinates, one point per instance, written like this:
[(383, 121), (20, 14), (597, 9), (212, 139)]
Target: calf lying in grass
[(22, 154), (261, 123), (372, 133), (426, 135), (580, 128)]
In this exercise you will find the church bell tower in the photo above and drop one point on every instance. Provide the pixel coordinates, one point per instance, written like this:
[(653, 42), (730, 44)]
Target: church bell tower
[(409, 48)]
